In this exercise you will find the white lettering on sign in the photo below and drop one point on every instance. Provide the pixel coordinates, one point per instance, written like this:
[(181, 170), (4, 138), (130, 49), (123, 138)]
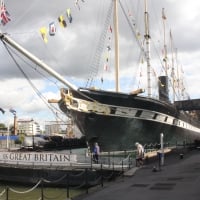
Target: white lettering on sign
[(37, 157)]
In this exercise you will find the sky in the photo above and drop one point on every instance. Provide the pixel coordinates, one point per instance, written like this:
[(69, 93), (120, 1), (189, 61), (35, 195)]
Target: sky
[(74, 50)]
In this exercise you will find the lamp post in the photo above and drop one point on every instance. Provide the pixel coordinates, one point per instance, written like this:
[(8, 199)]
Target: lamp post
[(33, 135), (7, 138)]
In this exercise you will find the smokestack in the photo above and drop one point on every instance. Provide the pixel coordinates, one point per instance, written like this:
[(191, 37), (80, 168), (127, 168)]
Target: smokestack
[(163, 88)]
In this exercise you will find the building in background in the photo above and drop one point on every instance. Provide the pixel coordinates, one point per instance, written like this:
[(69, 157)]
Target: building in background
[(66, 129), (28, 127), (52, 128)]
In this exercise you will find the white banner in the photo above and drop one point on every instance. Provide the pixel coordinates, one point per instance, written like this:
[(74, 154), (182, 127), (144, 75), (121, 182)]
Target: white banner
[(37, 157)]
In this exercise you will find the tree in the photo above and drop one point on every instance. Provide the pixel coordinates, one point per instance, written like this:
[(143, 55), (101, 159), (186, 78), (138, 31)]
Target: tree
[(2, 126)]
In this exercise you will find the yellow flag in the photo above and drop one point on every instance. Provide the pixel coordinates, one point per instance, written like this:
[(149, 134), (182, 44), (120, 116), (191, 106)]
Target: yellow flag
[(43, 32), (62, 21)]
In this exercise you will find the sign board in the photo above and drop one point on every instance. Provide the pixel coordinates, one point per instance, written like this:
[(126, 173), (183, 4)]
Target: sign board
[(41, 158)]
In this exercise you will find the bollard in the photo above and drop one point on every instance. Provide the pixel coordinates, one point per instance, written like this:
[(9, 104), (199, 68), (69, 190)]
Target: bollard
[(181, 156), (162, 149), (159, 160)]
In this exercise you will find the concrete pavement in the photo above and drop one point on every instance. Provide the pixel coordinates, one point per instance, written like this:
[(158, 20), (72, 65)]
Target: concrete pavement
[(178, 179)]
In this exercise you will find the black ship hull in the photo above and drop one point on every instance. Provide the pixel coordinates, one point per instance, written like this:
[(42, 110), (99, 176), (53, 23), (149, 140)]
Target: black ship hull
[(118, 120)]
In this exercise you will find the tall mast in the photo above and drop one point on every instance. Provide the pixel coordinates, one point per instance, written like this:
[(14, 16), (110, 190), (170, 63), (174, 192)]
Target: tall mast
[(164, 38), (115, 19), (173, 72), (147, 38)]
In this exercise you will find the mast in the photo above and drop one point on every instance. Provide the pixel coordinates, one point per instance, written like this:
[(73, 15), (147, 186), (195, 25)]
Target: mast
[(6, 39), (115, 18), (164, 38), (147, 54), (173, 71)]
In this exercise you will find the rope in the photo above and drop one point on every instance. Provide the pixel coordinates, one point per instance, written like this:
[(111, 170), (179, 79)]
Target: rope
[(97, 56), (76, 175), (2, 193), (55, 197), (26, 191), (55, 181), (79, 186), (30, 82), (95, 182), (108, 177)]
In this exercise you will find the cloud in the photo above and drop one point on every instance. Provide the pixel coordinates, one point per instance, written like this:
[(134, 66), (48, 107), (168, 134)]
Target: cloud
[(73, 52)]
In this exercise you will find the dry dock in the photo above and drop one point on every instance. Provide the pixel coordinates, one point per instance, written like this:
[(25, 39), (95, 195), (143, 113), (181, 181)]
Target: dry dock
[(178, 178)]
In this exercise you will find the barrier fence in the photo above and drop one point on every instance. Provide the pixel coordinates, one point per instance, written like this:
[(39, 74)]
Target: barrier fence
[(110, 166)]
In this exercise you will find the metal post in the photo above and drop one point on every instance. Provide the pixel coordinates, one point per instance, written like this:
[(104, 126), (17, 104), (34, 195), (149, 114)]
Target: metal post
[(8, 137), (101, 175), (42, 191), (7, 190), (122, 167), (91, 158), (86, 181), (67, 185), (162, 148)]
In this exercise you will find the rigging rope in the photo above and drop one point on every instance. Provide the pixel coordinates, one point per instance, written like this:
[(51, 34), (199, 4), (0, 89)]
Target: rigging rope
[(133, 29), (32, 85), (97, 56)]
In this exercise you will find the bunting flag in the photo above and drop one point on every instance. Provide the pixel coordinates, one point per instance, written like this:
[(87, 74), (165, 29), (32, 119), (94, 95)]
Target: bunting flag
[(52, 29), (163, 14), (2, 110), (43, 32), (62, 21), (77, 4), (110, 28), (5, 16), (105, 67), (69, 16), (12, 111), (108, 48)]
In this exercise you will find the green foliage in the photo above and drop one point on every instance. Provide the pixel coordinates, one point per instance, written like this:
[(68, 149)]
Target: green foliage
[(3, 126)]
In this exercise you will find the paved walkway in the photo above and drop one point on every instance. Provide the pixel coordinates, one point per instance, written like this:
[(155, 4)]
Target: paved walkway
[(178, 179)]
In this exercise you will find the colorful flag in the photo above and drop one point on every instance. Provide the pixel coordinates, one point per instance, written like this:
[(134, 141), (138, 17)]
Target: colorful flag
[(2, 110), (110, 28), (5, 16), (43, 32), (69, 16), (77, 4), (12, 111), (163, 14), (52, 28), (62, 21)]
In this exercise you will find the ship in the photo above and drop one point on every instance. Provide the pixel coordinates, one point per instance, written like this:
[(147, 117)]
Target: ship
[(115, 119)]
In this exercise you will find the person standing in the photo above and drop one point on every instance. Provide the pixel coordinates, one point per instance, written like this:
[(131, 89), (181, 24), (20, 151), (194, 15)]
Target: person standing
[(96, 153), (139, 154)]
